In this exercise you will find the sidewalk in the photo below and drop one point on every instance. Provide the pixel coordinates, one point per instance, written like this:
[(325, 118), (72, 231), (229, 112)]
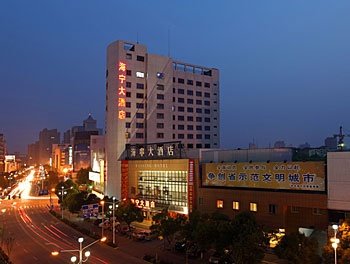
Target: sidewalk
[(141, 248)]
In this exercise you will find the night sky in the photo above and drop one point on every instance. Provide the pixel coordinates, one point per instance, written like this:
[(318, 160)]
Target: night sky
[(284, 65)]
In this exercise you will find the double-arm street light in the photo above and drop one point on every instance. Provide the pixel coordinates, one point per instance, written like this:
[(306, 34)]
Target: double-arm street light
[(112, 206), (335, 241), (81, 250), (63, 192)]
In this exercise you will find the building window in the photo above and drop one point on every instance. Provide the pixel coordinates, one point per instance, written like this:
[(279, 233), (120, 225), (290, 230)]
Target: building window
[(294, 209), (199, 110), (206, 145), (200, 200), (198, 127), (128, 94), (190, 101), (140, 86), (190, 109), (139, 135), (128, 114), (180, 136), (160, 75), (253, 207), (180, 91), (127, 125), (160, 135), (207, 85), (198, 119), (160, 87), (189, 92), (180, 100), (207, 119), (219, 203), (207, 95), (272, 208), (128, 84), (140, 74), (207, 136), (199, 102), (139, 95), (160, 106), (198, 83), (189, 127), (180, 80), (198, 93), (160, 116), (160, 96), (139, 125), (140, 105), (189, 136), (129, 47), (199, 136), (190, 146), (190, 118), (207, 128), (140, 58), (128, 56), (128, 72), (207, 103), (139, 115), (235, 205), (180, 127), (190, 82), (198, 145), (127, 104), (207, 111), (181, 109), (160, 125), (181, 118)]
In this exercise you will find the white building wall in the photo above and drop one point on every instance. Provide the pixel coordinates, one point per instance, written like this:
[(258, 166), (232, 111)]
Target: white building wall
[(338, 173)]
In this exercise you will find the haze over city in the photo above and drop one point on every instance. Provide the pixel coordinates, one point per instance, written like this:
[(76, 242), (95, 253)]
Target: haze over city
[(284, 67)]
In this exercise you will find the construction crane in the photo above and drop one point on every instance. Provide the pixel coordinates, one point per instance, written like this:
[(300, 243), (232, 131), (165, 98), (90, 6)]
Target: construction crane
[(341, 136)]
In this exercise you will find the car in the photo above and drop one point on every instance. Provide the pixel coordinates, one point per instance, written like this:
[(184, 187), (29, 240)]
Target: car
[(150, 235), (138, 235)]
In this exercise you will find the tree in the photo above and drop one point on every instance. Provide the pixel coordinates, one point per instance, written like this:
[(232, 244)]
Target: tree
[(297, 248), (128, 212), (83, 176), (52, 179), (247, 239), (69, 186)]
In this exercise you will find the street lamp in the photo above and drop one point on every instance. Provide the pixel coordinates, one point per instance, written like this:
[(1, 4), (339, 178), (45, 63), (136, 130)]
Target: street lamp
[(63, 192), (103, 215), (335, 241), (81, 250), (113, 206)]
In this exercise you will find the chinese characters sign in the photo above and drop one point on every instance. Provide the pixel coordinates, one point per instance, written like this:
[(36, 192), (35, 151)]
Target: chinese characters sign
[(275, 175), (168, 150), (121, 90)]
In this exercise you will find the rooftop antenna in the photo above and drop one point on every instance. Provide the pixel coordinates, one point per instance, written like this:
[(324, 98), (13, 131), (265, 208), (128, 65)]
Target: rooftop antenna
[(137, 37), (340, 136)]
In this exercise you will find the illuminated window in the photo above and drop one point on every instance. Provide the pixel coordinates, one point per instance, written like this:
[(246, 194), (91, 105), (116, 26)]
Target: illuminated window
[(235, 205), (253, 207), (160, 75), (140, 74), (294, 209), (219, 203), (272, 208)]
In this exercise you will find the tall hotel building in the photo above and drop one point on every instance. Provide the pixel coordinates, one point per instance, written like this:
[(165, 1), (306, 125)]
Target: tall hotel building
[(151, 99)]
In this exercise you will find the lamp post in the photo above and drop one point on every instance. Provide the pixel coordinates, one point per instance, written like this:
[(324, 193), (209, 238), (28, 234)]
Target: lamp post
[(113, 206), (335, 241), (80, 250), (63, 192), (52, 190), (103, 216)]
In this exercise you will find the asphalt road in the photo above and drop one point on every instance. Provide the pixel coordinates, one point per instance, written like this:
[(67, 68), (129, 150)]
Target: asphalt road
[(35, 234)]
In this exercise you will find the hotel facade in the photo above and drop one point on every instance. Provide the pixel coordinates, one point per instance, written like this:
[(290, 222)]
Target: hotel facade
[(153, 99)]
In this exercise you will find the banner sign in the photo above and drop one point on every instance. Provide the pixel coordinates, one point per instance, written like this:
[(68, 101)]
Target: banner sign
[(166, 150), (308, 176)]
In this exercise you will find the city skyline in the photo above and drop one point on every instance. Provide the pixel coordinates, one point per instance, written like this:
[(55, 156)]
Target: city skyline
[(283, 66)]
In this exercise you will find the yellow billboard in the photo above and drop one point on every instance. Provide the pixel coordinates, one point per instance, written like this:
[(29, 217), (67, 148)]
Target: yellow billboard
[(302, 176)]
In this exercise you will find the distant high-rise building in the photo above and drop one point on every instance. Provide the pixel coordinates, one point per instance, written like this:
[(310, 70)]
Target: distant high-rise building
[(331, 143), (153, 98), (2, 153), (46, 139), (33, 153), (279, 144)]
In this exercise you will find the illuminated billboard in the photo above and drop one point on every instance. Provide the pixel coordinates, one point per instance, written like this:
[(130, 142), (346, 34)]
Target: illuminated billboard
[(302, 176)]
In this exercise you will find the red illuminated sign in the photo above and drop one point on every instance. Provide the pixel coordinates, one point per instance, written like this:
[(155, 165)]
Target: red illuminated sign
[(121, 90), (190, 185)]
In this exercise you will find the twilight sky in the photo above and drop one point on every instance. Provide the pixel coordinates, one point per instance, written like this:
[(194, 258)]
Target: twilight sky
[(284, 65)]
